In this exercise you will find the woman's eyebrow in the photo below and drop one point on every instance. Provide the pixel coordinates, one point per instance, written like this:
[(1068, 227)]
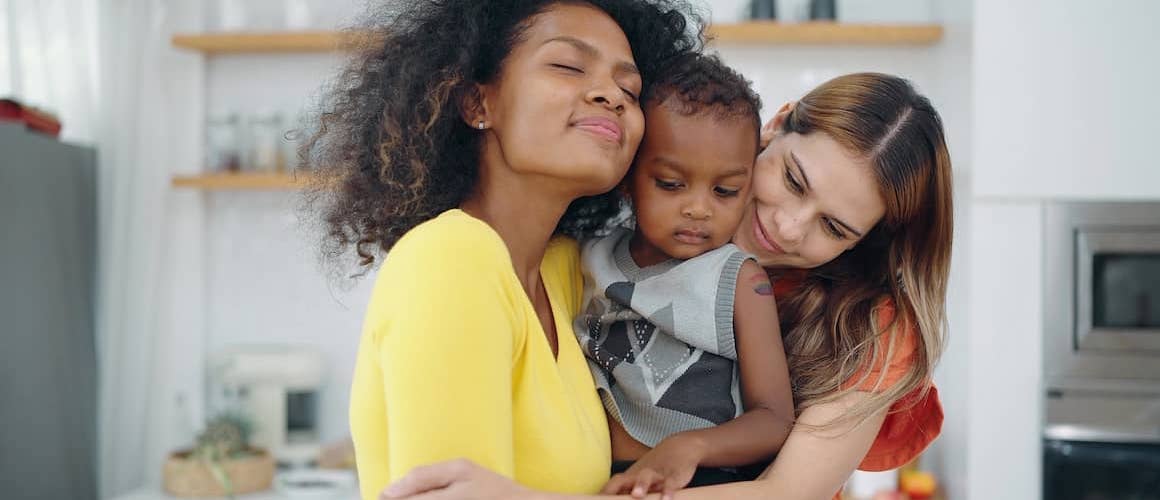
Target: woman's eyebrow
[(797, 162)]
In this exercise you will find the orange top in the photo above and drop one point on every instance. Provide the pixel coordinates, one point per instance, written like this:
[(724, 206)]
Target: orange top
[(915, 420)]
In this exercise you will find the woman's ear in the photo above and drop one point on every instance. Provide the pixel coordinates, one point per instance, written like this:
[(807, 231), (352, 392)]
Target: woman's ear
[(473, 108), (772, 126)]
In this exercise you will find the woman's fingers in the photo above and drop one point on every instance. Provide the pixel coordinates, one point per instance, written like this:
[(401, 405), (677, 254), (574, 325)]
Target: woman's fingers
[(615, 485), (428, 478), (644, 482), (671, 485)]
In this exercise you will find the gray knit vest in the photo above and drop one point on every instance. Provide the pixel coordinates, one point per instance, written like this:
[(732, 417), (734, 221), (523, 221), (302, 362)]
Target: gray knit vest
[(659, 340)]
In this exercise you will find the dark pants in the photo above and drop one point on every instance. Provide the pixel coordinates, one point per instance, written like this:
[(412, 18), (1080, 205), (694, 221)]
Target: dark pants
[(707, 476)]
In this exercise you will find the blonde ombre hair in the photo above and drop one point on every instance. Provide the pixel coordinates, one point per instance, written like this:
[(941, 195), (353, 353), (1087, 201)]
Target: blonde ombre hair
[(836, 339)]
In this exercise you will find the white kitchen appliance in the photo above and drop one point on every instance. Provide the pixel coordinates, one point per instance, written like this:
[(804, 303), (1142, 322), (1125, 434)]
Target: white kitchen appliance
[(278, 388)]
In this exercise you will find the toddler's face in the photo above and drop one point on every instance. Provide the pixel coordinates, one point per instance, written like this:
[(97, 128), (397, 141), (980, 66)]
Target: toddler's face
[(690, 182)]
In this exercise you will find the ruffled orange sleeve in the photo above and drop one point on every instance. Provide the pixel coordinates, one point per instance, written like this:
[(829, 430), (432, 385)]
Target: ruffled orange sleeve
[(915, 420)]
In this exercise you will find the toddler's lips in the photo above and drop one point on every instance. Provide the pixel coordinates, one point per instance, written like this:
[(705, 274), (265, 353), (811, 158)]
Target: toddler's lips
[(691, 236)]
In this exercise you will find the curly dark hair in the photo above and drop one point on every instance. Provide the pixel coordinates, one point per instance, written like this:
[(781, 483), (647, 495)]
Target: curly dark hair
[(697, 83), (390, 149)]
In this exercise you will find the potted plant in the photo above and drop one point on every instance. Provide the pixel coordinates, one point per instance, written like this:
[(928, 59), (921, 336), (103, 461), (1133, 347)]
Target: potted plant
[(221, 462)]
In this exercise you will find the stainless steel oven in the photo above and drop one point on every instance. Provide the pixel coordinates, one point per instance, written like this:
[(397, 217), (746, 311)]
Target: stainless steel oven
[(1102, 292), (1101, 437), (1102, 443)]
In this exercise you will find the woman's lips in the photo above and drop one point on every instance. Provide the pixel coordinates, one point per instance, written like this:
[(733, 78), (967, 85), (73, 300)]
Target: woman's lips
[(601, 127), (762, 238)]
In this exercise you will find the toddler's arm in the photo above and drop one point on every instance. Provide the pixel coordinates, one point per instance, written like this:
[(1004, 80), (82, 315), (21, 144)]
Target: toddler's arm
[(765, 388)]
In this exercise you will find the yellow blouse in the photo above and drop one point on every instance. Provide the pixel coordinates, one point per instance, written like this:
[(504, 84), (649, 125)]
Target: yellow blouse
[(453, 362)]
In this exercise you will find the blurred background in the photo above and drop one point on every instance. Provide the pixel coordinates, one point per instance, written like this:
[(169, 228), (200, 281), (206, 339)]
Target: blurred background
[(158, 278)]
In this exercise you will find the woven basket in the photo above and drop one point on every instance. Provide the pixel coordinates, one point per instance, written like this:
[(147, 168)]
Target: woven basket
[(189, 477)]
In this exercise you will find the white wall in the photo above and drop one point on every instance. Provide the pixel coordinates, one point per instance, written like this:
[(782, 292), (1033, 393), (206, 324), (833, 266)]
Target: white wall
[(1066, 99), (249, 268), (1004, 351), (265, 282)]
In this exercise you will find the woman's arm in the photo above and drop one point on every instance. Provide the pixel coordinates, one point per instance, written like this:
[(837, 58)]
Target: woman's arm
[(813, 465), (433, 376)]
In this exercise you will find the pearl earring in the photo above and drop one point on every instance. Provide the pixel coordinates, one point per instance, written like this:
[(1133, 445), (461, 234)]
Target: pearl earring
[(480, 126)]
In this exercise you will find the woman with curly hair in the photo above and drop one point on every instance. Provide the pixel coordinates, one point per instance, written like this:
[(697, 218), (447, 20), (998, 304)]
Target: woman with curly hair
[(852, 219), (469, 139)]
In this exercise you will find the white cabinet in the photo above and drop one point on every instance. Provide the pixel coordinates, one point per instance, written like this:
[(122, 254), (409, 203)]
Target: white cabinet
[(1066, 99)]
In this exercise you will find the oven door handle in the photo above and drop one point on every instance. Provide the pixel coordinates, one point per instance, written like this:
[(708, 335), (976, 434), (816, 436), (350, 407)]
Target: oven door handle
[(1095, 434), (1120, 454)]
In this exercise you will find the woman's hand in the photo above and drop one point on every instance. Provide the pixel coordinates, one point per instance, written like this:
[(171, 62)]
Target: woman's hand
[(456, 479), (665, 469)]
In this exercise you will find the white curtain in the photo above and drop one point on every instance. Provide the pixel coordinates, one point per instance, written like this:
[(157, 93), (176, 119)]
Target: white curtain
[(48, 59), (148, 353), (107, 70)]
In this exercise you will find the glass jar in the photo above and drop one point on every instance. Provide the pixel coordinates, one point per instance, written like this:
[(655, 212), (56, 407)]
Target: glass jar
[(266, 143), (223, 148)]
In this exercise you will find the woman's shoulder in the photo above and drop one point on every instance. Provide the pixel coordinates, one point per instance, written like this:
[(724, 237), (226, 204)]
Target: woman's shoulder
[(453, 262), (453, 239)]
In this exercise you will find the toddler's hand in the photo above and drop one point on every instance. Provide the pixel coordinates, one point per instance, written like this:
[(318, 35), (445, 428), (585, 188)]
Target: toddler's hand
[(666, 468)]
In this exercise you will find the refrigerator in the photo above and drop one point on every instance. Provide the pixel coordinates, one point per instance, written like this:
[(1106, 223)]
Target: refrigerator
[(48, 370)]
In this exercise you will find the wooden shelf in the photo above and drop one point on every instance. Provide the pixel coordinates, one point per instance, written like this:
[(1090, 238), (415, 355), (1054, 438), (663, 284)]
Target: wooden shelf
[(826, 33), (814, 33), (241, 181), (245, 42)]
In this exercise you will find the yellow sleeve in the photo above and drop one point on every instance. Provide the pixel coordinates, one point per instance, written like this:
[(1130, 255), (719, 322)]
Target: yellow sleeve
[(443, 330)]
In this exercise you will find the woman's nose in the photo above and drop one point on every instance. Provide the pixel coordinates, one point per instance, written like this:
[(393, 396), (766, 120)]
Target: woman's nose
[(790, 227), (609, 95)]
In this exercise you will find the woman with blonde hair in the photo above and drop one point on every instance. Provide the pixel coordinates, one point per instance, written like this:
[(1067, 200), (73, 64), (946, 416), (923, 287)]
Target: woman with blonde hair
[(852, 218)]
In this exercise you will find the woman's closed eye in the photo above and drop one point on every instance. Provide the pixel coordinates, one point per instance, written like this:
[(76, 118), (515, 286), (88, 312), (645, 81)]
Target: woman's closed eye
[(792, 182), (567, 67), (832, 229)]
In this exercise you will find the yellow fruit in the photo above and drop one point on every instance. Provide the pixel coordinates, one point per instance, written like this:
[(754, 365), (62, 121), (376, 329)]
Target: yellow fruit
[(918, 485)]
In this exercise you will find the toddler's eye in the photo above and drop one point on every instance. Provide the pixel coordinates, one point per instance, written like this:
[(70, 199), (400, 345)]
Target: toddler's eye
[(725, 192), (668, 185)]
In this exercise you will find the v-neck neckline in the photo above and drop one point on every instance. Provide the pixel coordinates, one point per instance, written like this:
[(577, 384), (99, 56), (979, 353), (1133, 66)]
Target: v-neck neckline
[(552, 300), (548, 293)]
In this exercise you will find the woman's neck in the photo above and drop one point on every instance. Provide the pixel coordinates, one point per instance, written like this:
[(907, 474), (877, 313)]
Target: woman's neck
[(524, 214)]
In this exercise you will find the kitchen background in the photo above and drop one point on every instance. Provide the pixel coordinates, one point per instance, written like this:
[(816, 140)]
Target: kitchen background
[(1043, 101)]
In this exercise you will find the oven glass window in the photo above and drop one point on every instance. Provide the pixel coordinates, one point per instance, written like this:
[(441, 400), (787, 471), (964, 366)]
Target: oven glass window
[(1127, 290), (1100, 471)]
